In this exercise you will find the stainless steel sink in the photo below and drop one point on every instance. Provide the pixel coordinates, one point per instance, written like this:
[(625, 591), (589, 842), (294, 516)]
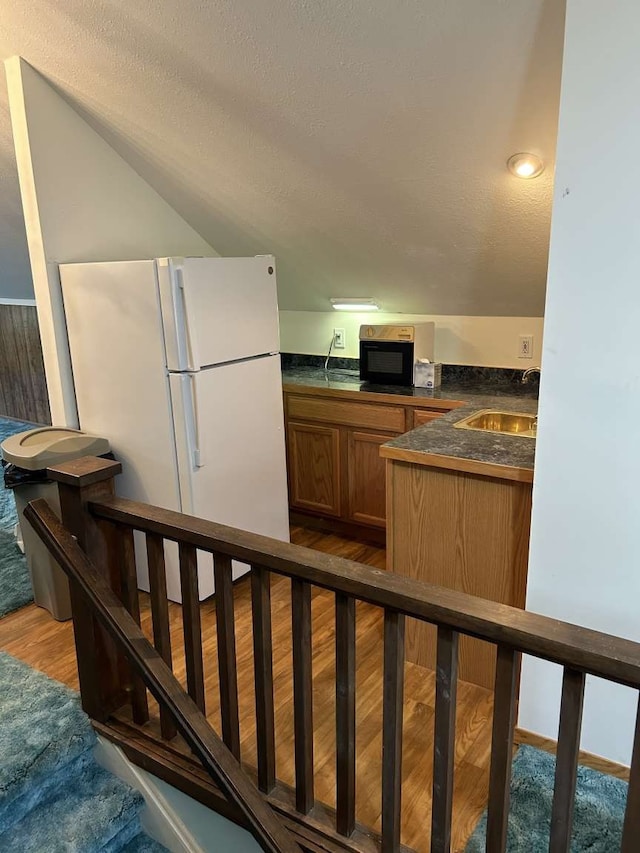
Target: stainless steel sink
[(507, 423)]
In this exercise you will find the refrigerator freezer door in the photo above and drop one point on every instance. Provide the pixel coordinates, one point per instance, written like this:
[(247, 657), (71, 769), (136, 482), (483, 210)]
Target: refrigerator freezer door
[(217, 310), (238, 477)]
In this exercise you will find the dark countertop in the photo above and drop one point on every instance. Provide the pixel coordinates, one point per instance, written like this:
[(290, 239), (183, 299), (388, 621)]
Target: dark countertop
[(348, 380), (439, 442)]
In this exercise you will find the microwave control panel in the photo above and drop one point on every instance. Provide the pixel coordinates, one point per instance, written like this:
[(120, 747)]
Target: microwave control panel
[(387, 333)]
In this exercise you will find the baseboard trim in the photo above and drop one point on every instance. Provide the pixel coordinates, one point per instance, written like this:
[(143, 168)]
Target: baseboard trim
[(588, 759), (376, 536), (159, 819)]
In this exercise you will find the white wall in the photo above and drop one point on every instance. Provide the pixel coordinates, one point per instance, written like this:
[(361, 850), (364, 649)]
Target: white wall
[(483, 341), (177, 821), (210, 830), (585, 545), (82, 202)]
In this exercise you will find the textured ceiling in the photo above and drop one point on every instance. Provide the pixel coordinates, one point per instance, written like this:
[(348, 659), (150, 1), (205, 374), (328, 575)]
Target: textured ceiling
[(363, 142)]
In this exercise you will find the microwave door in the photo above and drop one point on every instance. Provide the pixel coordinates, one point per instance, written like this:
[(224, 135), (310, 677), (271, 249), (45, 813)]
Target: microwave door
[(386, 362)]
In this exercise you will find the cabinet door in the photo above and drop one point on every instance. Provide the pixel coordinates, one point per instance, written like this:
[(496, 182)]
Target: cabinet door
[(314, 468), (366, 476)]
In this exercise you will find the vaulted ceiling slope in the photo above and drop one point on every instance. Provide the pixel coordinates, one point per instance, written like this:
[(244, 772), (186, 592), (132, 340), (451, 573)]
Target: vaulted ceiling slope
[(363, 142)]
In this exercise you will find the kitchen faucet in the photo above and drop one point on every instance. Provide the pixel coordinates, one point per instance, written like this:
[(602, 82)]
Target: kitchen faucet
[(326, 361), (527, 373)]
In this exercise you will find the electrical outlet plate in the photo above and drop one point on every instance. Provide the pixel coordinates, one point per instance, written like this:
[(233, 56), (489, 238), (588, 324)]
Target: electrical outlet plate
[(338, 339), (525, 349)]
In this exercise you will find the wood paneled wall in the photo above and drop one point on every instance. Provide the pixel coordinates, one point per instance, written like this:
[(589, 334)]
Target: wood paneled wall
[(23, 390)]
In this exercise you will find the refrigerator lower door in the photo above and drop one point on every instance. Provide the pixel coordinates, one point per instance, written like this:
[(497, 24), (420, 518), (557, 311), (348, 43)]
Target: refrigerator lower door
[(217, 310), (231, 450)]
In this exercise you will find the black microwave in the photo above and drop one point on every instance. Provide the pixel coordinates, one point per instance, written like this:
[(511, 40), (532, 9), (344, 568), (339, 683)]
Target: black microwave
[(388, 353)]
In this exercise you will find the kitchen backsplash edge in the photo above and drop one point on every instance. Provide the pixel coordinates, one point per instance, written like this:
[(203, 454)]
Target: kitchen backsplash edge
[(460, 373)]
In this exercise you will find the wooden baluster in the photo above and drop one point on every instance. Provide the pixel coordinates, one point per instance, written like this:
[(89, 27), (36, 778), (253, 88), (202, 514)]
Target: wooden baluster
[(302, 693), (392, 698), (345, 714), (99, 662), (444, 744), (631, 828), (227, 666), (567, 760), (129, 597), (263, 668), (504, 721), (244, 803), (160, 614), (191, 623)]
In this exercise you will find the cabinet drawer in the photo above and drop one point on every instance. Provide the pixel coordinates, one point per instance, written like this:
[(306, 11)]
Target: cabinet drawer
[(349, 414), (425, 416)]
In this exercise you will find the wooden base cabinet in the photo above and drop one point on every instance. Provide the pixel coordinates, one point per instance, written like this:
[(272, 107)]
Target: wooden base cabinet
[(337, 472), (333, 452)]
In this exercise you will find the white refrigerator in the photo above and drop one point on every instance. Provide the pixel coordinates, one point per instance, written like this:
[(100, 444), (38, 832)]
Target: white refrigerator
[(175, 361)]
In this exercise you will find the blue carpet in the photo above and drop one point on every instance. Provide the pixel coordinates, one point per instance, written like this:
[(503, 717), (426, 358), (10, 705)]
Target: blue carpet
[(15, 586), (54, 797), (597, 819), (8, 515)]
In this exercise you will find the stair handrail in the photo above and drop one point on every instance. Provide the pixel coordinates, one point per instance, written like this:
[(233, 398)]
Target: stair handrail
[(105, 527), (219, 762), (616, 659)]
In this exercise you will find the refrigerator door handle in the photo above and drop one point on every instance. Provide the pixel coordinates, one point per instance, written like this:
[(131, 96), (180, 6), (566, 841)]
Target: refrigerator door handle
[(186, 333), (191, 420)]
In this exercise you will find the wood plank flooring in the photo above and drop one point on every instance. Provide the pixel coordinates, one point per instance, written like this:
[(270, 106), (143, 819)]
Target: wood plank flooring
[(33, 636)]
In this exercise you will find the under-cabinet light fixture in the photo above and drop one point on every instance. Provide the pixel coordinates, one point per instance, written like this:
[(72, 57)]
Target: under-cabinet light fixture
[(525, 165), (349, 303)]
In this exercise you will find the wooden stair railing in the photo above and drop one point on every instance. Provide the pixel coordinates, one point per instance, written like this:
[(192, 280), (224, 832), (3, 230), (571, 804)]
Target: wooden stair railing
[(104, 525), (223, 766)]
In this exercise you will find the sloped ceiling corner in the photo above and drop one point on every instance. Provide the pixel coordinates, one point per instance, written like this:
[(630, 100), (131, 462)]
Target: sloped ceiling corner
[(362, 142)]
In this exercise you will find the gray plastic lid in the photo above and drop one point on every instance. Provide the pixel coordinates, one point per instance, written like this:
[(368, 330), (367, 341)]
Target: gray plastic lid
[(45, 446)]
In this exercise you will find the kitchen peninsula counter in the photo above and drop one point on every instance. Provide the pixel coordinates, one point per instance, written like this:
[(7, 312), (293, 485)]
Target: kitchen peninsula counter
[(443, 445)]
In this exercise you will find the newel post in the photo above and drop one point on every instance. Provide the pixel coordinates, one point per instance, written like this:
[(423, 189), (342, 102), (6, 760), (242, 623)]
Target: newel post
[(101, 670)]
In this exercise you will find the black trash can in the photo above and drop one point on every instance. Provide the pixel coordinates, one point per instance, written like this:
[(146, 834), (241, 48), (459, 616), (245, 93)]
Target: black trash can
[(27, 455)]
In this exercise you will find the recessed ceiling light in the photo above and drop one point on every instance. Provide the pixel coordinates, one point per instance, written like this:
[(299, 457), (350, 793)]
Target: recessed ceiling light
[(525, 165), (349, 303)]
